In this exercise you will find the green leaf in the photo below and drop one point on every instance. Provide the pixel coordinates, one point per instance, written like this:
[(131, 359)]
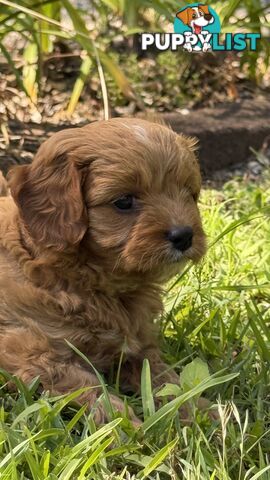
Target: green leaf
[(159, 457), (13, 67), (146, 389), (76, 418), (79, 84), (67, 398), (113, 4), (117, 74), (87, 43), (23, 446), (172, 407), (35, 407), (30, 56), (193, 374), (94, 457), (170, 389), (70, 469), (260, 473), (254, 322)]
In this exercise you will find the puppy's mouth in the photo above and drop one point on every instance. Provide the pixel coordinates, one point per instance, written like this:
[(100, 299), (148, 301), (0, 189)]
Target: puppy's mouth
[(178, 256), (168, 258), (182, 244)]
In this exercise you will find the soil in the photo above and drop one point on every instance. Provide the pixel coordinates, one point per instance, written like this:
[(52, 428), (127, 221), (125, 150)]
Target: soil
[(228, 133), (233, 138), (231, 129)]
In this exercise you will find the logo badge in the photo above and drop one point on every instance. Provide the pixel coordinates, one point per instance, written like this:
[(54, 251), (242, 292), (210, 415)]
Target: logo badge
[(197, 28), (197, 22)]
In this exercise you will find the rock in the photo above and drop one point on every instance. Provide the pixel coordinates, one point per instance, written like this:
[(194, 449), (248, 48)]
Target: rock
[(225, 132)]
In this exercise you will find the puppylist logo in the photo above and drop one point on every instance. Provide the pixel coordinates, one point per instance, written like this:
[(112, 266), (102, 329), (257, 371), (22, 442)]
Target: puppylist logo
[(197, 29)]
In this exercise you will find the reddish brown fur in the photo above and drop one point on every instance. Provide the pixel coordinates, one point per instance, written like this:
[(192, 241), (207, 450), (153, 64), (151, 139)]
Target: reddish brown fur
[(74, 268)]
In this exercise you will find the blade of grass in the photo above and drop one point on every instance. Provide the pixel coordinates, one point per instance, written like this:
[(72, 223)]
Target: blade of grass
[(83, 38), (19, 449), (146, 391), (94, 457), (233, 226), (71, 424), (260, 473), (79, 84), (259, 337), (13, 67), (30, 56), (158, 458), (108, 404)]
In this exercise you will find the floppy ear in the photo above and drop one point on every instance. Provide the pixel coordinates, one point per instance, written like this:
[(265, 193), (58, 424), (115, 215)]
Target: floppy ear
[(48, 195), (184, 16)]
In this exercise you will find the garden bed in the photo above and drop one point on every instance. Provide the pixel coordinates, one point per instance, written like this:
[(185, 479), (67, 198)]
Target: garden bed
[(228, 134)]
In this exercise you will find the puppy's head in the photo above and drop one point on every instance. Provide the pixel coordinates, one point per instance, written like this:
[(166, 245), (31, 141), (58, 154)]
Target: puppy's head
[(124, 190)]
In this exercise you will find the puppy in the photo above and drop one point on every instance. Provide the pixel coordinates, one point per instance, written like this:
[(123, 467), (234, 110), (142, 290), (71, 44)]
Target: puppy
[(97, 223)]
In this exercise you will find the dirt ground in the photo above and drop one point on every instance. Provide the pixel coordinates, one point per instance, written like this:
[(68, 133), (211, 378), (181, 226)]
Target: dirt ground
[(233, 127)]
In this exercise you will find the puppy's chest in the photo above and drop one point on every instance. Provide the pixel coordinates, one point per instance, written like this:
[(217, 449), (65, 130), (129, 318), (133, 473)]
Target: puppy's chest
[(108, 326)]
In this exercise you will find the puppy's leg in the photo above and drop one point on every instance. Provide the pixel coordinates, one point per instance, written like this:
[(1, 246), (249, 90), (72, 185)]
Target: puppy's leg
[(26, 356)]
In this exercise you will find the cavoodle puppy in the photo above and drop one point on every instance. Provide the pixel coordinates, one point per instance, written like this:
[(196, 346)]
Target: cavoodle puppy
[(97, 223)]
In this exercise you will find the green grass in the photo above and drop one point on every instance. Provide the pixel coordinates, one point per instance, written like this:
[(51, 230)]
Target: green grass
[(216, 331)]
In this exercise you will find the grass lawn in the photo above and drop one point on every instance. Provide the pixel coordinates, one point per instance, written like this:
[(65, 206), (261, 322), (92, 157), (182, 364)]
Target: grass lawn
[(216, 331)]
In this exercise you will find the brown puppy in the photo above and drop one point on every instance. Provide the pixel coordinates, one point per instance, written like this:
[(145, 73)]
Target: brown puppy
[(103, 216)]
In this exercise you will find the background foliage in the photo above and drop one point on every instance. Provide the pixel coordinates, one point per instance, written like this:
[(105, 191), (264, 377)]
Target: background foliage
[(106, 33)]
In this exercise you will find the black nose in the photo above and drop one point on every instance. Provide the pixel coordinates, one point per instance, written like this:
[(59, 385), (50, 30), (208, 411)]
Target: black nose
[(181, 237), (208, 16)]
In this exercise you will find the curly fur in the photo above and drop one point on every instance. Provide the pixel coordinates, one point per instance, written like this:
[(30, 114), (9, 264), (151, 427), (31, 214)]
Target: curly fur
[(74, 268)]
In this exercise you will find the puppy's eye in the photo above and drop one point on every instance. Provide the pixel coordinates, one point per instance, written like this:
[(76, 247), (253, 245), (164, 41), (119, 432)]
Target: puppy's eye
[(201, 14), (194, 16), (125, 203)]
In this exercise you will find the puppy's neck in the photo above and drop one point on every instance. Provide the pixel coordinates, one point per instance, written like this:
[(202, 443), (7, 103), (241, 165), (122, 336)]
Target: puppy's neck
[(76, 270)]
